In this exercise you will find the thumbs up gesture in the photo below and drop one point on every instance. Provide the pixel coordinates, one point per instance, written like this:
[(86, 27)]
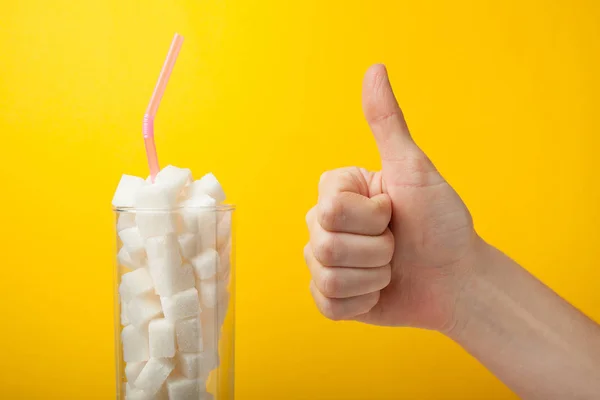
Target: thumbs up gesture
[(391, 247)]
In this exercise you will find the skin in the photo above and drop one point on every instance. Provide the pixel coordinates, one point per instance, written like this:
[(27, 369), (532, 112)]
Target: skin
[(397, 247)]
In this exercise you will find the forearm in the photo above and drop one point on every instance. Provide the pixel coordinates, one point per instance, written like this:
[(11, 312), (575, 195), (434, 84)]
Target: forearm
[(524, 333)]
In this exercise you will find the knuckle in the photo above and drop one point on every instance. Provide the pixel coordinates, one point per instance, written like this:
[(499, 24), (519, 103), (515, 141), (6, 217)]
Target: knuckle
[(329, 282), (327, 251), (325, 176), (331, 213), (329, 310)]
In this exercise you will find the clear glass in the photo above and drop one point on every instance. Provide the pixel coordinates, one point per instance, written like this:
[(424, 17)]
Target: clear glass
[(174, 303)]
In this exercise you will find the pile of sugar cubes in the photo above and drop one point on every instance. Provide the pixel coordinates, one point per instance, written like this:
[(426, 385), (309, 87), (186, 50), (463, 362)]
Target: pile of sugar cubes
[(175, 263)]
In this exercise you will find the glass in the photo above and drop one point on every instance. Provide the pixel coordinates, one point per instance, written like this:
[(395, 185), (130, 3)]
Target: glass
[(174, 303)]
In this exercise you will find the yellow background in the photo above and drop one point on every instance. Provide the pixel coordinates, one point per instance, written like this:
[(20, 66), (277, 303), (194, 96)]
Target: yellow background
[(503, 96)]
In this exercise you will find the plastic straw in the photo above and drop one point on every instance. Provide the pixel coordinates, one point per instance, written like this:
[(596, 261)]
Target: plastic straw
[(159, 90)]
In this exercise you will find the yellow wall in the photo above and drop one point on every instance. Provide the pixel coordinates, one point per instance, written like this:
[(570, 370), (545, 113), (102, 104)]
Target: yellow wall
[(503, 95)]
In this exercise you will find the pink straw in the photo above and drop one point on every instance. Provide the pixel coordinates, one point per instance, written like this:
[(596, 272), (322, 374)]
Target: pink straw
[(159, 90)]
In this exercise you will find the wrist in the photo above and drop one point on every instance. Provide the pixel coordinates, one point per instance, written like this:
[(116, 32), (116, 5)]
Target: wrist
[(470, 289)]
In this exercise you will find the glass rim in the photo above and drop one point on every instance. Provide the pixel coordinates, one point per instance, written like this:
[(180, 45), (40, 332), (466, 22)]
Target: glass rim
[(218, 207)]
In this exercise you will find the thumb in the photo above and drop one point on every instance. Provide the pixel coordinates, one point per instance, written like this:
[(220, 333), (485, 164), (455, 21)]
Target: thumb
[(385, 116)]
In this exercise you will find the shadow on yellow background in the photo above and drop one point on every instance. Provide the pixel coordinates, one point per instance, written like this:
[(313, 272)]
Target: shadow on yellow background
[(503, 96)]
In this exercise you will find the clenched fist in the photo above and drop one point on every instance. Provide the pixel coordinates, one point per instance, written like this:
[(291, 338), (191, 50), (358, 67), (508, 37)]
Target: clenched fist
[(390, 247)]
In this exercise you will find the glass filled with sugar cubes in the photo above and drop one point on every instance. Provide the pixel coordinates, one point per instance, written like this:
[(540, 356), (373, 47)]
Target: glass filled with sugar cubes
[(174, 316)]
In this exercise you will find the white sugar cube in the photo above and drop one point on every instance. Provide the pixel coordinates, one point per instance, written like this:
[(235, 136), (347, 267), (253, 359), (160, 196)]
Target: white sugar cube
[(181, 305), (196, 365), (153, 215), (161, 333), (156, 223), (124, 293), (189, 335), (135, 344), (125, 194), (125, 259), (133, 369), (141, 310), (207, 229), (154, 196), (209, 185), (133, 242), (186, 389), (175, 179), (125, 220), (188, 245), (154, 374), (191, 208), (163, 251), (165, 265), (212, 292), (206, 264), (137, 283), (173, 281)]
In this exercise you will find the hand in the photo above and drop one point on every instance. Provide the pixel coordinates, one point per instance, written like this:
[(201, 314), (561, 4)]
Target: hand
[(390, 247)]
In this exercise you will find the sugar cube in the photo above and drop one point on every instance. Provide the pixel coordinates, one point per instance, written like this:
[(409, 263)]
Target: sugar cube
[(188, 245), (191, 208), (212, 292), (181, 305), (161, 333), (163, 251), (185, 389), (175, 179), (141, 310), (125, 220), (125, 194), (124, 293), (189, 335), (209, 185), (173, 281), (135, 344), (155, 223), (133, 242), (125, 259), (206, 264), (154, 216), (133, 369), (196, 365), (207, 229), (154, 196), (165, 265), (137, 282), (154, 374)]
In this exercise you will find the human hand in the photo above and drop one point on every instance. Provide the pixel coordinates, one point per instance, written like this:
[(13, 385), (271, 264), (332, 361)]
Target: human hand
[(391, 247)]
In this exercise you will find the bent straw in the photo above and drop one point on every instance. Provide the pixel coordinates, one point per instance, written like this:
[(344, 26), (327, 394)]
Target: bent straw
[(159, 90)]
